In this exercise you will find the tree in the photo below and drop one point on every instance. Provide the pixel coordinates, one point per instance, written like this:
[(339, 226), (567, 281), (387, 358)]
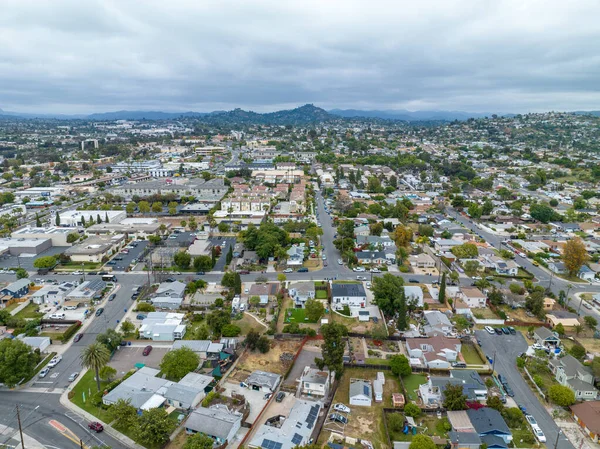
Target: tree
[(421, 441), (176, 364), (107, 373), (182, 259), (21, 273), (442, 292), (57, 219), (543, 213), (157, 207), (454, 398), (198, 441), (17, 361), (94, 357), (44, 262), (228, 279), (172, 207), (395, 421), (217, 319), (596, 366), (575, 255), (154, 239), (130, 208), (379, 332), (192, 224), (252, 339), (578, 352), (127, 326), (229, 256), (388, 292), (333, 347), (111, 339), (412, 409), (72, 237), (496, 403), (400, 365), (535, 303), (230, 330), (155, 426), (237, 286), (123, 413), (465, 251), (281, 277), (376, 228), (314, 309), (263, 344), (254, 301), (403, 235), (561, 395), (144, 207), (590, 321), (98, 219), (559, 329), (38, 222)]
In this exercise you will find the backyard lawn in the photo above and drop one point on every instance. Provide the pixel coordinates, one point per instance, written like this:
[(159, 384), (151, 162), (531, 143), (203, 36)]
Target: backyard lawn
[(296, 316), (411, 383), (428, 425), (247, 323), (13, 306), (470, 355), (321, 294), (30, 311), (87, 386)]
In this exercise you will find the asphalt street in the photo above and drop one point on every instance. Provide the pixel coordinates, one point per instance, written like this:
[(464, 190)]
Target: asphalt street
[(504, 349)]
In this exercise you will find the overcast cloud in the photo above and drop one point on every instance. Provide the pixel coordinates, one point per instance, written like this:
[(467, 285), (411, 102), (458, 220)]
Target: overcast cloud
[(494, 56)]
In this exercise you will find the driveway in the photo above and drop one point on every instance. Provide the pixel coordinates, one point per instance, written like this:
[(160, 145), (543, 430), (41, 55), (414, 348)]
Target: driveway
[(305, 358), (218, 241), (126, 357), (256, 399), (504, 349)]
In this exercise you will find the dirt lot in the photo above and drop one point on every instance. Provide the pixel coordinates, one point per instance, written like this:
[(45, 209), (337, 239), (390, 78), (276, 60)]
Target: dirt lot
[(520, 315), (127, 356), (365, 422), (252, 361)]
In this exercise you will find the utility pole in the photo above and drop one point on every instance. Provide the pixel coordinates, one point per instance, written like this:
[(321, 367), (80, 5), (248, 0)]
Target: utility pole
[(20, 428), (557, 437), (80, 443)]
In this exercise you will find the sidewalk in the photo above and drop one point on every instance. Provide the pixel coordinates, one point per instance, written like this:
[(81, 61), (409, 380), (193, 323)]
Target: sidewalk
[(29, 441)]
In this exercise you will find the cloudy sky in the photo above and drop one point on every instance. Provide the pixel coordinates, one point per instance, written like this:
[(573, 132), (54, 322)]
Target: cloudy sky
[(480, 56)]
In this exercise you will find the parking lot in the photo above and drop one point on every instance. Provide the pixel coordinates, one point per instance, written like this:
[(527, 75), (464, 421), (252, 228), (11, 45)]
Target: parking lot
[(127, 259), (256, 399), (26, 260), (126, 357), (218, 241)]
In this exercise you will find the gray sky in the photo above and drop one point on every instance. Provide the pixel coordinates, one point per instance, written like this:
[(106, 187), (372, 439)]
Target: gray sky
[(77, 56)]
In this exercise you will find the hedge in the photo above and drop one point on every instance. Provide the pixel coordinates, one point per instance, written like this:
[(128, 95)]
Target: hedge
[(66, 336)]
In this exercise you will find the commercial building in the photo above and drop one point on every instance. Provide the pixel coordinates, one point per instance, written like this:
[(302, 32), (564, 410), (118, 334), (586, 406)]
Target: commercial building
[(76, 217), (57, 236), (19, 246), (86, 291), (95, 248), (212, 190), (34, 193)]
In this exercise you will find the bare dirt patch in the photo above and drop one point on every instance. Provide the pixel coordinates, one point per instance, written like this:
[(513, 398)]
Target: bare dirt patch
[(270, 362)]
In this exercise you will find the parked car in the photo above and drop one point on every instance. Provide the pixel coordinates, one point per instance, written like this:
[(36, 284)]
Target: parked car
[(498, 331), (459, 365), (361, 278), (55, 361), (509, 390), (96, 426), (77, 338), (141, 316), (303, 270), (44, 372), (200, 273), (73, 376), (112, 297), (505, 330), (490, 330), (512, 330), (147, 350), (288, 270), (280, 396), (339, 418), (358, 269), (170, 280), (375, 270), (99, 311), (340, 262), (413, 281), (341, 408)]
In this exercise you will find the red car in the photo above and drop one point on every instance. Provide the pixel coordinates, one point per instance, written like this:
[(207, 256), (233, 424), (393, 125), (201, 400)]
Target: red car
[(147, 350), (96, 426)]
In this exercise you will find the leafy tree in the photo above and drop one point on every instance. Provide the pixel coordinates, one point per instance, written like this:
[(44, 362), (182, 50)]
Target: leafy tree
[(192, 224), (465, 251), (217, 319), (263, 344), (578, 352), (376, 228), (144, 207), (57, 219), (333, 347), (127, 326), (228, 279), (21, 273), (229, 256), (124, 413), (107, 373), (176, 364), (395, 421), (72, 237), (252, 339), (155, 426), (281, 277), (94, 357), (513, 417), (314, 309), (157, 207), (421, 441), (596, 366), (543, 213), (412, 409), (230, 330), (496, 403), (182, 259), (130, 208), (379, 332), (403, 235), (442, 291), (203, 263), (574, 255), (561, 395), (198, 441), (535, 303), (590, 321), (44, 262), (559, 329), (38, 222), (388, 291), (400, 365), (154, 239), (237, 286), (454, 398), (111, 339), (254, 301), (17, 361)]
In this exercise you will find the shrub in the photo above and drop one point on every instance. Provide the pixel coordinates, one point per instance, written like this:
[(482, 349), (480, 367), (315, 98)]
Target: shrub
[(412, 409), (145, 307), (70, 332)]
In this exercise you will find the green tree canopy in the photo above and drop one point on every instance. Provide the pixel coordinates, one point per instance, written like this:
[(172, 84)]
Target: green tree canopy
[(155, 426), (198, 441), (44, 262), (182, 259), (454, 398), (400, 365), (17, 361), (94, 357), (176, 364), (333, 347), (314, 309), (421, 441), (561, 395)]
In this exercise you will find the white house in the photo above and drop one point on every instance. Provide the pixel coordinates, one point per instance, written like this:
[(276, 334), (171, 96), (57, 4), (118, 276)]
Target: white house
[(216, 421), (315, 382), (301, 292), (52, 294), (433, 352), (352, 295), (414, 293), (360, 392), (586, 273), (163, 326), (295, 256), (472, 297)]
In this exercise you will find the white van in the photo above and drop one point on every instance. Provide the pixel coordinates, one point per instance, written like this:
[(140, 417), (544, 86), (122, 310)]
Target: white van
[(490, 330), (57, 316)]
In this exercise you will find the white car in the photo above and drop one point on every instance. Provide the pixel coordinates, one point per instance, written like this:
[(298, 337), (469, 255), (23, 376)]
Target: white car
[(341, 408), (531, 420), (539, 434), (537, 346), (368, 284), (358, 269), (340, 262), (44, 372), (490, 330), (288, 270), (324, 257), (55, 361), (375, 270)]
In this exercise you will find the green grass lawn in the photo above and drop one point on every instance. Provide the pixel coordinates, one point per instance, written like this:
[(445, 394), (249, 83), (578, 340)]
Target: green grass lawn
[(12, 307), (30, 311), (247, 323), (470, 355), (321, 294), (87, 386), (297, 316), (411, 383), (377, 362), (430, 425), (522, 434)]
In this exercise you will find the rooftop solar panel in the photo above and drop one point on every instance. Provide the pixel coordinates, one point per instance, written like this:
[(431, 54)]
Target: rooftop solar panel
[(297, 439)]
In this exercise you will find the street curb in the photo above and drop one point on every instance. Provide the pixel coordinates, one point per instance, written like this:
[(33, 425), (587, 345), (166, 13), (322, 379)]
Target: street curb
[(65, 402)]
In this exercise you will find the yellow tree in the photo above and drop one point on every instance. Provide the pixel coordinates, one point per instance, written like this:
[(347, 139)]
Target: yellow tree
[(574, 255), (403, 235)]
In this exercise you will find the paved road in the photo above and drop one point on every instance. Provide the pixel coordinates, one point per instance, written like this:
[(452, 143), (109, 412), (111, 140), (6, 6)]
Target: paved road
[(504, 349), (36, 422)]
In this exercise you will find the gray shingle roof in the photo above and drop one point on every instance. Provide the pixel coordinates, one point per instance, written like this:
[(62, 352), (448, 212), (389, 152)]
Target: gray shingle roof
[(214, 421)]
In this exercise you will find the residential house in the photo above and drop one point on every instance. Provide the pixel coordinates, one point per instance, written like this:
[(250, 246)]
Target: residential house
[(86, 291), (545, 337), (586, 273), (436, 323), (360, 392), (422, 261), (549, 304), (375, 240), (506, 267), (587, 414), (205, 349), (295, 429), (96, 248), (295, 256), (52, 294), (171, 289), (216, 422), (315, 382), (301, 292), (352, 295), (567, 319), (460, 422), (472, 296), (16, 289), (362, 230), (445, 245), (433, 352), (39, 343), (557, 267), (263, 381), (464, 440), (371, 257), (265, 292), (414, 293), (163, 326), (491, 427), (571, 373)]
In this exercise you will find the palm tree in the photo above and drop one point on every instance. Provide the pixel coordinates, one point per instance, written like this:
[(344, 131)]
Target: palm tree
[(95, 356)]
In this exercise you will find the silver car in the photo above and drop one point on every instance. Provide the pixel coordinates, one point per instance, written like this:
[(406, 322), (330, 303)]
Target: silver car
[(44, 372), (73, 376)]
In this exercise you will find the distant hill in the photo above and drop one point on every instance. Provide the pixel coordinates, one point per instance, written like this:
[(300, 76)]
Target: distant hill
[(409, 116), (594, 113)]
